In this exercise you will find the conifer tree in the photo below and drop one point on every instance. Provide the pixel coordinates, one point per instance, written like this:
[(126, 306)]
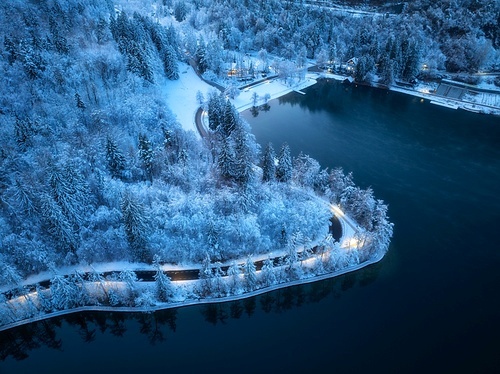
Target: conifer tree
[(24, 132), (230, 119), (24, 198), (10, 47), (115, 159), (63, 292), (205, 276), (57, 224), (268, 276), (201, 56), (180, 11), (250, 274), (233, 273), (135, 225), (215, 111), (146, 154), (128, 277), (218, 285), (213, 239), (70, 191), (242, 170), (44, 302), (268, 164), (32, 60), (97, 277), (170, 63), (225, 160), (284, 167), (163, 285)]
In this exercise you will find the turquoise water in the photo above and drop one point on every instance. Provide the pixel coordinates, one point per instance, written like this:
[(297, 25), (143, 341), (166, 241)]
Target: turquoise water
[(430, 306)]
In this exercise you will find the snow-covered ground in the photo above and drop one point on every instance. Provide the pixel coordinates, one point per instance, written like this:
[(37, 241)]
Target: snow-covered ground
[(180, 96), (273, 87)]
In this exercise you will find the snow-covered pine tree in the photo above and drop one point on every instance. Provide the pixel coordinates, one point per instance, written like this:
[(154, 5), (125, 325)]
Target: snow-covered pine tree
[(170, 63), (250, 274), (146, 154), (243, 163), (360, 203), (411, 52), (138, 61), (218, 284), (163, 285), (78, 188), (230, 119), (180, 10), (201, 56), (24, 198), (382, 228), (213, 239), (284, 167), (225, 160), (63, 293), (24, 132), (205, 277), (145, 300), (114, 158), (43, 299), (268, 164), (135, 226), (268, 277), (57, 224), (32, 60), (216, 105), (70, 192), (129, 277), (234, 278), (81, 293), (9, 276), (99, 283), (255, 99)]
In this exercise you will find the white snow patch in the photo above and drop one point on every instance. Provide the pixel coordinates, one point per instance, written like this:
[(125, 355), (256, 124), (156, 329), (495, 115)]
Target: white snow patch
[(274, 87), (180, 95)]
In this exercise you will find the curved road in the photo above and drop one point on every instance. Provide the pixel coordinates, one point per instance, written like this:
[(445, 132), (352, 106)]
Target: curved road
[(199, 123), (187, 274), (182, 275)]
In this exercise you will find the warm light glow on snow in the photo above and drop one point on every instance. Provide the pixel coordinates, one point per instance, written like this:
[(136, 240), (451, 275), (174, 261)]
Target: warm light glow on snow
[(350, 243), (335, 209)]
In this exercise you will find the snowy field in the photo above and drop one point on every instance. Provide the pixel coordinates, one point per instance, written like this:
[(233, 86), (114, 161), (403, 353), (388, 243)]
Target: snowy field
[(180, 96)]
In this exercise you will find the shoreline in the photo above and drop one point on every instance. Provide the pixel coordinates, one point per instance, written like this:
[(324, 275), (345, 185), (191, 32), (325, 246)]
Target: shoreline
[(426, 94), (276, 89), (349, 229), (273, 89), (194, 302)]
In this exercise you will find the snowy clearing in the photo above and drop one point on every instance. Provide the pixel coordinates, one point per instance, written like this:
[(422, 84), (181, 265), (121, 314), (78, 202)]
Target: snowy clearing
[(180, 96)]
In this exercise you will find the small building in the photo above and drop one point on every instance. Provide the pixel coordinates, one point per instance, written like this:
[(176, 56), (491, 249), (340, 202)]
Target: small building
[(351, 65)]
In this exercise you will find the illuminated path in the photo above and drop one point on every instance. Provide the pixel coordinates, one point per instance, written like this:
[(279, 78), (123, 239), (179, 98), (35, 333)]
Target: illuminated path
[(340, 222)]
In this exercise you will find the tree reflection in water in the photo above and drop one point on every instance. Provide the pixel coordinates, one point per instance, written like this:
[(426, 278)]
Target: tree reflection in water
[(18, 342)]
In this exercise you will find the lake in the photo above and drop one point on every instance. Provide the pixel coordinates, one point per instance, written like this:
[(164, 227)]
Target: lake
[(430, 305)]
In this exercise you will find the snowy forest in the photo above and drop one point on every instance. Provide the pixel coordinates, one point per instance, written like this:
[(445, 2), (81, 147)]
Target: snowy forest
[(418, 38), (95, 168)]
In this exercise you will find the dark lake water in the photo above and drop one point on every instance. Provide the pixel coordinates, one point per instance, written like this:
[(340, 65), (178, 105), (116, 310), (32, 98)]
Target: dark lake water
[(431, 305)]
